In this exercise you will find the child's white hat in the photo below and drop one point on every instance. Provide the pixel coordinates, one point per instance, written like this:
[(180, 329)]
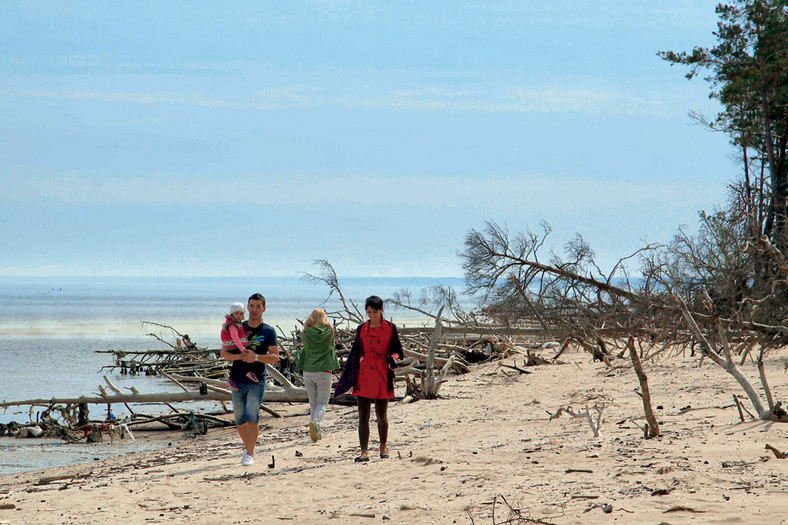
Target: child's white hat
[(237, 307)]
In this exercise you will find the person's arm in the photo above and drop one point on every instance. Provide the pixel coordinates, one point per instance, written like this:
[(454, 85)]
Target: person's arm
[(349, 376), (231, 356), (233, 329), (395, 348), (272, 357), (268, 337)]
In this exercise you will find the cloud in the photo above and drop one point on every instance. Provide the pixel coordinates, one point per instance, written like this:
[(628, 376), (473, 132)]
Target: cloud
[(555, 99), (487, 97), (125, 97), (545, 195)]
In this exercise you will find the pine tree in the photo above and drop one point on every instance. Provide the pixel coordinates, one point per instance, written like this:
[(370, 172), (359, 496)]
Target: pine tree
[(748, 73)]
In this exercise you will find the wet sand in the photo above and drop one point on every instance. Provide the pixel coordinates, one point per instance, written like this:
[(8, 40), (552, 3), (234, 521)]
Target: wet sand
[(24, 454)]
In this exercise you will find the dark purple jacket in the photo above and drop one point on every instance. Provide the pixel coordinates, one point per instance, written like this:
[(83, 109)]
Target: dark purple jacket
[(349, 376)]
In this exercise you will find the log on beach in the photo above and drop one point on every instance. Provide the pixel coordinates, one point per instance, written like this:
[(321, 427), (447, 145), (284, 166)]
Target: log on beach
[(214, 392), (271, 395), (289, 393), (165, 397)]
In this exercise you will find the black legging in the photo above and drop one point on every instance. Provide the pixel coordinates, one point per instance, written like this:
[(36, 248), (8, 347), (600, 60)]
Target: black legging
[(381, 407)]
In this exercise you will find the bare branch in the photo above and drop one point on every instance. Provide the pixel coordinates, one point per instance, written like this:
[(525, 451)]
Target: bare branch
[(328, 276)]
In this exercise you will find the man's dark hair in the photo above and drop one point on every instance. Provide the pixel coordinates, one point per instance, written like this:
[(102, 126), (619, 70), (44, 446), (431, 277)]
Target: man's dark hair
[(256, 297), (375, 302)]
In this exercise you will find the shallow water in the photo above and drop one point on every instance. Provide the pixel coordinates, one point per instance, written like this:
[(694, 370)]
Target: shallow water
[(21, 455)]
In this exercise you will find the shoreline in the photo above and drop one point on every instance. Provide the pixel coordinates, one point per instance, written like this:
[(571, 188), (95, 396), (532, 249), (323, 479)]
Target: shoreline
[(488, 439), (20, 455), (204, 332)]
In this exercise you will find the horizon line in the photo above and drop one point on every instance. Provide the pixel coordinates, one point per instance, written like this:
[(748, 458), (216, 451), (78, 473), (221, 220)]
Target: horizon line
[(161, 276)]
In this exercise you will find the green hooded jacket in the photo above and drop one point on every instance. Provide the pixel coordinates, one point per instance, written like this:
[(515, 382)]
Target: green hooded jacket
[(318, 354)]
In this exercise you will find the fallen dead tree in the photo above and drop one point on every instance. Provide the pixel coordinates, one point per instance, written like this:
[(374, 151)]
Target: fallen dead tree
[(721, 354), (607, 316), (183, 356)]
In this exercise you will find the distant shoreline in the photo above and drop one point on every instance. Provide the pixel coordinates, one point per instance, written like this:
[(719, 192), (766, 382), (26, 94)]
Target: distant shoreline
[(238, 277)]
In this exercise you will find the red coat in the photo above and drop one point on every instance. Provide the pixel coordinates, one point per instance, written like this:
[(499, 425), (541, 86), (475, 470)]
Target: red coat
[(366, 370)]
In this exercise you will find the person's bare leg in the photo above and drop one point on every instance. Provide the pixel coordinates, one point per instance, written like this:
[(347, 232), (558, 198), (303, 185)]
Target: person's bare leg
[(252, 432), (249, 433)]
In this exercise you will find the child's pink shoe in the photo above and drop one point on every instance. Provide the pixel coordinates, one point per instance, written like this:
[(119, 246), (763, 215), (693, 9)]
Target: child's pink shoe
[(252, 376), (232, 385)]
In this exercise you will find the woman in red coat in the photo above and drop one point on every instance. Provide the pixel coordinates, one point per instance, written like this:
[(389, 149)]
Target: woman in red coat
[(368, 371)]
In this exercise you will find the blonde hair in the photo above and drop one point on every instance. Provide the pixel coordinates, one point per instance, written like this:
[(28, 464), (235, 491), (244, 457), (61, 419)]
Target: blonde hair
[(316, 318)]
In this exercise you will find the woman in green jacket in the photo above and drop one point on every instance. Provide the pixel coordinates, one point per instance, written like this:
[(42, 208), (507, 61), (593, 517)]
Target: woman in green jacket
[(317, 361)]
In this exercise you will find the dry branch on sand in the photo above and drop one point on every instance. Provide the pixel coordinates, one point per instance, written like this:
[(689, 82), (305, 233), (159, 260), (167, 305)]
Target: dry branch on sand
[(586, 413)]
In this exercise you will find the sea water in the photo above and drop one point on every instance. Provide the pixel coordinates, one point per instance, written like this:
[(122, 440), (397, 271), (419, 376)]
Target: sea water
[(52, 330)]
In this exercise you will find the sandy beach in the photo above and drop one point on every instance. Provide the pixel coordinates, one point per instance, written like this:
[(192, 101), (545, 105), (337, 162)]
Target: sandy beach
[(485, 452)]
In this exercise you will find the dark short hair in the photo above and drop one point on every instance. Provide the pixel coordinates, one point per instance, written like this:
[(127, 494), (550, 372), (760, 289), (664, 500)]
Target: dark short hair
[(375, 302), (256, 297)]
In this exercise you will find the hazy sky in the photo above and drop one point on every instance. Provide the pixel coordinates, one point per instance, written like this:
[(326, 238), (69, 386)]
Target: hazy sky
[(250, 138)]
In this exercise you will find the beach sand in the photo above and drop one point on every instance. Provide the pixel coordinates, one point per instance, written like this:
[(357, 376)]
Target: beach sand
[(487, 446)]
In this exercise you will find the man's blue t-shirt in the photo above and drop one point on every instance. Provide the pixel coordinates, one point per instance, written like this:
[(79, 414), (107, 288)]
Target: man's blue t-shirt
[(260, 338)]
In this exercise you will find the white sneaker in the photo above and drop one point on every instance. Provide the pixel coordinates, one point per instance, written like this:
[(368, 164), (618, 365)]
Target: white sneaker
[(247, 460)]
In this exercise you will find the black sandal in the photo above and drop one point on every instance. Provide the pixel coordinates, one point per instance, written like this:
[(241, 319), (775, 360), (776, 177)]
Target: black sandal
[(384, 456), (362, 459)]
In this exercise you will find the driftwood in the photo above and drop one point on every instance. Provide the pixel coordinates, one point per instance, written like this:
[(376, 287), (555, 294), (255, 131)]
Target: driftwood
[(290, 393), (219, 390), (160, 353), (741, 408), (430, 384), (514, 367), (457, 365), (432, 387), (513, 515), (181, 421), (481, 332), (586, 414), (168, 397)]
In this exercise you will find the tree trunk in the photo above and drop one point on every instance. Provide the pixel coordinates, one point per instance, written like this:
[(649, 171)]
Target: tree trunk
[(727, 364), (431, 387), (653, 426)]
